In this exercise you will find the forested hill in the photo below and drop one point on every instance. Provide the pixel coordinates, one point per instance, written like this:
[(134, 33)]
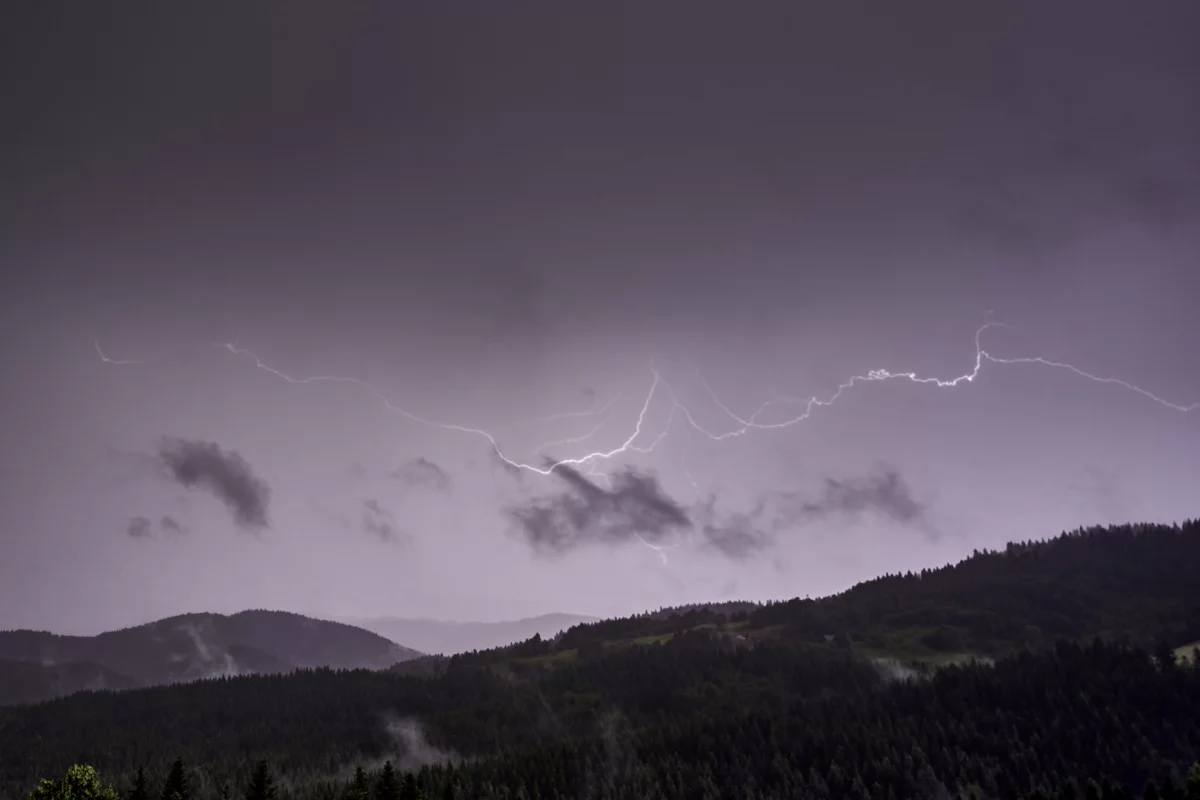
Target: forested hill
[(1137, 583), (38, 665)]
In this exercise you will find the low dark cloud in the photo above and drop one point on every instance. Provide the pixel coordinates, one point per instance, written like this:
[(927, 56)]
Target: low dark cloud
[(737, 535), (422, 472), (378, 521), (169, 523), (139, 528), (195, 463), (633, 507), (884, 492)]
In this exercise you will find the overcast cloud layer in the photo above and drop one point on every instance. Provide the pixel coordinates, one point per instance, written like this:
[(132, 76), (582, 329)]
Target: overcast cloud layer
[(251, 254)]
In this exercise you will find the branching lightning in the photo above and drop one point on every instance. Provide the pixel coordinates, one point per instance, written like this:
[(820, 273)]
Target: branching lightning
[(570, 414), (589, 462), (658, 384), (876, 375), (544, 446), (626, 446), (108, 360)]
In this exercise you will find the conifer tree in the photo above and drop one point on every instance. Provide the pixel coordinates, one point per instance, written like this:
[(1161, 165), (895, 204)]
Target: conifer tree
[(176, 785), (1169, 790), (138, 790), (1193, 782), (359, 788), (386, 787), (409, 790), (262, 785)]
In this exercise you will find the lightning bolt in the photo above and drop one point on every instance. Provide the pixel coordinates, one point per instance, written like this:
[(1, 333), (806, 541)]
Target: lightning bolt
[(878, 375), (570, 414), (626, 446), (107, 360), (744, 424), (544, 446), (660, 549), (695, 486)]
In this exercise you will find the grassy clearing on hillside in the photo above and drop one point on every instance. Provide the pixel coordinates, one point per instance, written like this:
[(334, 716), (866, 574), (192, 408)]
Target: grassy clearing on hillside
[(659, 639), (1187, 652)]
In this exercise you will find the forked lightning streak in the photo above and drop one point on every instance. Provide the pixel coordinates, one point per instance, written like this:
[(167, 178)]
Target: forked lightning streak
[(743, 424)]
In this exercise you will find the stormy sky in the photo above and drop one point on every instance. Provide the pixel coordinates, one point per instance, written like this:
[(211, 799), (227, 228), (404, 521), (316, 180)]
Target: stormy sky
[(522, 233)]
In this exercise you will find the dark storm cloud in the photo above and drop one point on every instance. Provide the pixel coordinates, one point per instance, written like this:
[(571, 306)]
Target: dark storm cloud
[(422, 472), (142, 528), (884, 492), (737, 535), (378, 521), (226, 474), (633, 507), (169, 523)]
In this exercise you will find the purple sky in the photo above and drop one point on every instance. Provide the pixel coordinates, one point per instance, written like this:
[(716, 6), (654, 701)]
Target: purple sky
[(514, 211)]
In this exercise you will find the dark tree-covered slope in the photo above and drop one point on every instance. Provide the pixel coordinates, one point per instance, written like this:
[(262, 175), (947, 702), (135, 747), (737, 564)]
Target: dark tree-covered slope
[(1137, 582), (1132, 582)]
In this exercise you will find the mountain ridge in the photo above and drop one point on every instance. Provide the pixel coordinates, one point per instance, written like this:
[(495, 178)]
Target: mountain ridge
[(188, 647)]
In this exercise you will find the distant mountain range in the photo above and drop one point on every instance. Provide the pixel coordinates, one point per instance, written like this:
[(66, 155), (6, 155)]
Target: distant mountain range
[(36, 665), (447, 638)]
